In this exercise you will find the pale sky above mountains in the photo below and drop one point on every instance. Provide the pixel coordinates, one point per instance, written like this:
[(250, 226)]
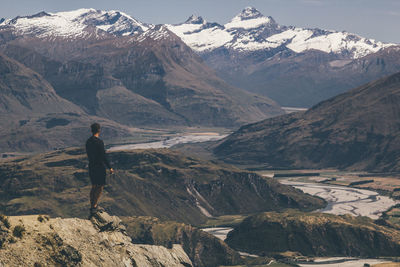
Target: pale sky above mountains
[(378, 19)]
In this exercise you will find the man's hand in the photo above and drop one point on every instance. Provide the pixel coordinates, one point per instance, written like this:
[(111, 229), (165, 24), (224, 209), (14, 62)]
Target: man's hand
[(112, 171)]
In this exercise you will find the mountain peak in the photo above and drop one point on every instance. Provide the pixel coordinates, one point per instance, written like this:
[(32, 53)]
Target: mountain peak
[(194, 19), (249, 13), (75, 14), (249, 18), (39, 15)]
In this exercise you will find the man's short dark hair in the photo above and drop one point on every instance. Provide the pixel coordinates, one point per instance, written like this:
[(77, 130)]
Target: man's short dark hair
[(95, 127)]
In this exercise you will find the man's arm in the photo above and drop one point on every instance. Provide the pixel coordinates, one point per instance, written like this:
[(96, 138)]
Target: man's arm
[(105, 158)]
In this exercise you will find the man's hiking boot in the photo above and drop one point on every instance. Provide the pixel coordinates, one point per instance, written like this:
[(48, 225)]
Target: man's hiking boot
[(92, 212), (96, 210)]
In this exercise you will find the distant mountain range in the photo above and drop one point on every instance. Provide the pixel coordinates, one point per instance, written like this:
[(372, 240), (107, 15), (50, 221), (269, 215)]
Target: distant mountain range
[(251, 31), (294, 66), (110, 65), (248, 31), (357, 130)]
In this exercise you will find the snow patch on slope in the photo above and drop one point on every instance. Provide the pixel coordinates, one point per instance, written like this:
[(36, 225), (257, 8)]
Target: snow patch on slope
[(300, 40), (47, 25), (237, 22), (201, 36), (155, 33), (248, 43)]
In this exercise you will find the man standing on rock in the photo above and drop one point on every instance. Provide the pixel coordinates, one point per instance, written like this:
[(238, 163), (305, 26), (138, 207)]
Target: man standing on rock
[(97, 167)]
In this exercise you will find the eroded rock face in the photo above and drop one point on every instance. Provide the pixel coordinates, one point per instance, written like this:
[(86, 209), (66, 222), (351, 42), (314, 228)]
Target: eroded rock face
[(77, 242), (204, 249)]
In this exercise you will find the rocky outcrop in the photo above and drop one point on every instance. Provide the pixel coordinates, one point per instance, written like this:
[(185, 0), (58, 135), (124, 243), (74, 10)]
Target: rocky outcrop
[(77, 242), (314, 234)]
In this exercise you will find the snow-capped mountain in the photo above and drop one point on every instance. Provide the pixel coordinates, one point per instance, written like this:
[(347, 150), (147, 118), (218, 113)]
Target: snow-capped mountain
[(251, 31), (248, 26), (297, 67), (292, 65), (75, 23)]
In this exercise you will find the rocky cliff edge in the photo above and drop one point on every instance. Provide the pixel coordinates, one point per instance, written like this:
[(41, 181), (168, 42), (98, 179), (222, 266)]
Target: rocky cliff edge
[(37, 240)]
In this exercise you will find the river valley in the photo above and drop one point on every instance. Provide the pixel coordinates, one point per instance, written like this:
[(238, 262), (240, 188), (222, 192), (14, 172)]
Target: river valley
[(341, 199)]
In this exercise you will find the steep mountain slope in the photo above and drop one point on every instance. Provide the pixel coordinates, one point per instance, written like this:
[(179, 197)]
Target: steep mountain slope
[(294, 66), (86, 85), (34, 118), (355, 130), (314, 234), (158, 183), (150, 66), (24, 92)]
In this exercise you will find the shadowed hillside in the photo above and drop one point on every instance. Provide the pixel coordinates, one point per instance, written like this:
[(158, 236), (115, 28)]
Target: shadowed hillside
[(34, 117), (356, 130)]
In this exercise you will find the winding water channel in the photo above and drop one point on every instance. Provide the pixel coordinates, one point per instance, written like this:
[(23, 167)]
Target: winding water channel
[(345, 200), (169, 142)]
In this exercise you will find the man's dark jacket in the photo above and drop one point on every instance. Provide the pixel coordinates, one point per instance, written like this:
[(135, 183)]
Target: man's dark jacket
[(97, 160)]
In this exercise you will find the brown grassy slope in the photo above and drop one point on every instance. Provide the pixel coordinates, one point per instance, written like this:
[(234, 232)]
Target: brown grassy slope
[(158, 183)]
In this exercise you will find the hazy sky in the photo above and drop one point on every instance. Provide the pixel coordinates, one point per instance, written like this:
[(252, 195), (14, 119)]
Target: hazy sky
[(378, 19)]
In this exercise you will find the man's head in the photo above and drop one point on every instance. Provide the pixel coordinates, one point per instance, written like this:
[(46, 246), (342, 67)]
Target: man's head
[(95, 128)]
